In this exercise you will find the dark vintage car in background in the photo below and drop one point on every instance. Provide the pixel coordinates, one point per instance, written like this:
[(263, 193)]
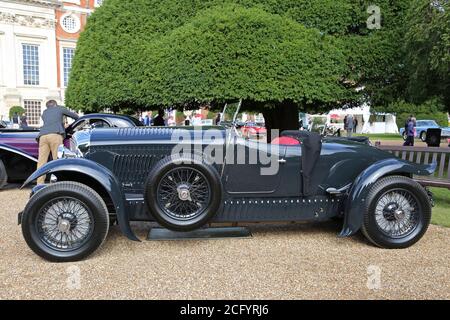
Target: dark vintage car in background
[(133, 174), (19, 148), (4, 124)]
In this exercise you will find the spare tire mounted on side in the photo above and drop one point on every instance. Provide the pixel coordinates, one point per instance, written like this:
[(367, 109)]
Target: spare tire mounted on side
[(183, 193)]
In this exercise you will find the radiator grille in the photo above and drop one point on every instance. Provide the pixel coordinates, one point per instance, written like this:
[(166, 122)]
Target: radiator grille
[(133, 169)]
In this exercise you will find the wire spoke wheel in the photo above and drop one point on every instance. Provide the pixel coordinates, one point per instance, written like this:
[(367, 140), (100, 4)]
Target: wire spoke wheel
[(183, 193), (64, 224), (397, 213)]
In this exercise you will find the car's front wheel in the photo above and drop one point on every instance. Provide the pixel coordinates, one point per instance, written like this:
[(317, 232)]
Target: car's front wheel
[(66, 221), (3, 175), (398, 212)]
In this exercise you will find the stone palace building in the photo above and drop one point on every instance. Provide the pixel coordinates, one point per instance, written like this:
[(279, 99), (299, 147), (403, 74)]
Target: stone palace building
[(37, 45)]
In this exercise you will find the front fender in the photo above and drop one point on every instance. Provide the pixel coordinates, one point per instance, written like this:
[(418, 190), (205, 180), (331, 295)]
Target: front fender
[(98, 172), (355, 204), (17, 151)]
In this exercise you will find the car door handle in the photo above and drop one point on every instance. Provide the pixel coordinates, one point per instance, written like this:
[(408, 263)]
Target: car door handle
[(282, 160)]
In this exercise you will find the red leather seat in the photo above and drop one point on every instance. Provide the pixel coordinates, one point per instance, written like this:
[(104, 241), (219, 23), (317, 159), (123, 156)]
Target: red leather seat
[(289, 141)]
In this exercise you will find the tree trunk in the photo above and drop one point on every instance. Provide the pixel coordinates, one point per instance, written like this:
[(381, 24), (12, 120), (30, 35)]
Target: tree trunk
[(284, 116)]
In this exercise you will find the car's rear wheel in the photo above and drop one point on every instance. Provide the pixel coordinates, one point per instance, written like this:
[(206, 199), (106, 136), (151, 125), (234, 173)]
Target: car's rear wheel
[(183, 195), (423, 136), (66, 221), (398, 212), (3, 175)]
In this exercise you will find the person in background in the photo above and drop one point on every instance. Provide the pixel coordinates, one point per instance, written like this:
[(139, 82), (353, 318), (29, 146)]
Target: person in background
[(141, 118), (147, 120), (159, 121), (15, 120), (52, 133), (349, 125), (345, 123), (410, 132), (23, 121), (355, 124), (187, 121), (407, 121), (217, 120)]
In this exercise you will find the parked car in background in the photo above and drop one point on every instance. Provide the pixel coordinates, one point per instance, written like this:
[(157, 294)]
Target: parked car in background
[(421, 129), (19, 148), (445, 132), (253, 130), (5, 124)]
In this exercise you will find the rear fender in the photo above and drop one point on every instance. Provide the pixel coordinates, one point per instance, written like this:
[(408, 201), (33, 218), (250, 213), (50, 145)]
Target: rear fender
[(359, 191), (97, 172)]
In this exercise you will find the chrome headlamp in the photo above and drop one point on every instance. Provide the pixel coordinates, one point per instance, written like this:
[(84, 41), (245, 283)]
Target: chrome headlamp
[(64, 153)]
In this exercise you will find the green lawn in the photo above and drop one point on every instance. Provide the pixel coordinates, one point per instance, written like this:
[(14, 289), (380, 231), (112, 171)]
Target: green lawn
[(441, 212), (381, 136)]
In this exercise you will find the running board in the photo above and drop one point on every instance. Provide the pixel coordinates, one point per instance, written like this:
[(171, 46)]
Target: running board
[(206, 233)]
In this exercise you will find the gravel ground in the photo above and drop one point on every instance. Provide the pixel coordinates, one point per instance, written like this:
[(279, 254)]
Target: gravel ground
[(295, 261)]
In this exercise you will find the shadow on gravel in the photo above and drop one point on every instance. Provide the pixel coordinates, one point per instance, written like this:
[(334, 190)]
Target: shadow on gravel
[(329, 227), (13, 186)]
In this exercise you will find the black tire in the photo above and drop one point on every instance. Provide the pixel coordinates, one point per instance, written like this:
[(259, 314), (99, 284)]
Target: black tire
[(82, 196), (423, 136), (3, 175), (409, 201), (175, 219)]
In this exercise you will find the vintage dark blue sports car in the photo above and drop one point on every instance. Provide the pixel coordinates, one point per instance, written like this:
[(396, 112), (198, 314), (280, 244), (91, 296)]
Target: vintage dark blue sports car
[(135, 174)]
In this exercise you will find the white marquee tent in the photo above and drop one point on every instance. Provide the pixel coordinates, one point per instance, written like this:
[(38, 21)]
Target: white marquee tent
[(383, 122)]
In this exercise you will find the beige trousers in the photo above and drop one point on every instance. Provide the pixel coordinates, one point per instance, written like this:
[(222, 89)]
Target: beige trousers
[(48, 143)]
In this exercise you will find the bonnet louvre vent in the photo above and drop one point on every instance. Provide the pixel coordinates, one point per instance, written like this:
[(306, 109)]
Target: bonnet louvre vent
[(139, 132), (133, 169)]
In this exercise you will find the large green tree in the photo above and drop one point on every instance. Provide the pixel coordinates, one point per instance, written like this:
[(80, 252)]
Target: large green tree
[(230, 52), (427, 51), (277, 55)]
